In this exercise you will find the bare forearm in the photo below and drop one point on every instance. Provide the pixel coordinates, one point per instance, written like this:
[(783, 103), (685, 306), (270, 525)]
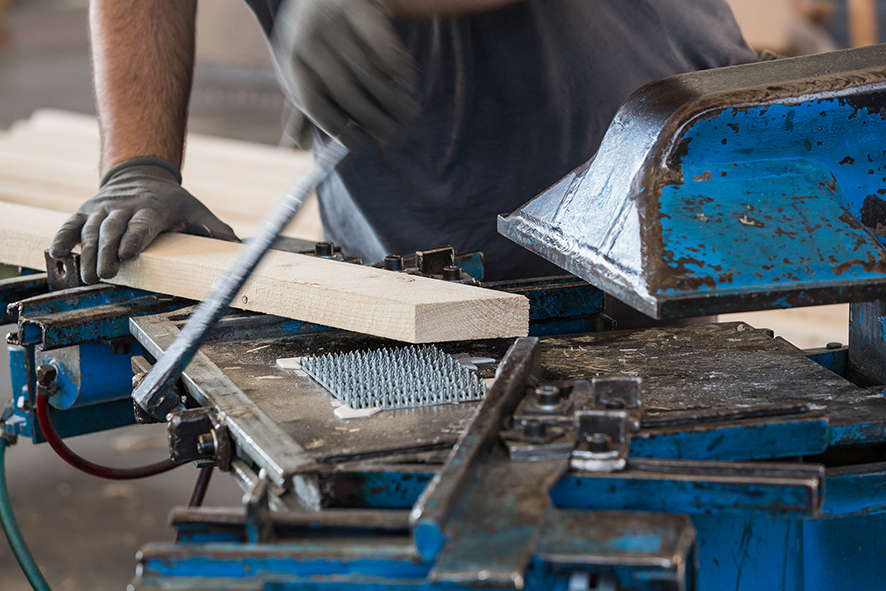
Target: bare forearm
[(143, 61), (429, 8)]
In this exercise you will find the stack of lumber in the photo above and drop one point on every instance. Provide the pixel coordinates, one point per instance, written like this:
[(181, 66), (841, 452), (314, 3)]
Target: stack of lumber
[(50, 160), (48, 167)]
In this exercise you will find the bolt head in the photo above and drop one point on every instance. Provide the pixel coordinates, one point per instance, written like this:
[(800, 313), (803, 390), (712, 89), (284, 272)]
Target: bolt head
[(46, 373), (534, 429), (324, 249), (547, 395), (598, 442), (452, 273), (394, 262)]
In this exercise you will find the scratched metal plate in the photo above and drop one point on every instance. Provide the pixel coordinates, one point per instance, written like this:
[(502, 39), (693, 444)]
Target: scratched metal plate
[(724, 367), (282, 418), (304, 410), (288, 418)]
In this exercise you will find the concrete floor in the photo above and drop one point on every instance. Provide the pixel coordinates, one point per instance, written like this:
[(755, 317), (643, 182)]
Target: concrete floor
[(83, 531)]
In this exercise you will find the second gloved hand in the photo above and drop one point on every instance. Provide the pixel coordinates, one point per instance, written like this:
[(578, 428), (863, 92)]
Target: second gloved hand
[(137, 200), (341, 61)]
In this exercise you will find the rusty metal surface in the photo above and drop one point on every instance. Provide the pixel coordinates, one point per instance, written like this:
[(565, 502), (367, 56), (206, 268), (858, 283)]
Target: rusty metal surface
[(492, 531), (599, 539), (732, 189), (718, 367), (433, 509), (244, 354), (333, 519), (304, 409)]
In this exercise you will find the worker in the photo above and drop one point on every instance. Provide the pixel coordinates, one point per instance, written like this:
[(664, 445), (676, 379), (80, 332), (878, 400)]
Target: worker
[(466, 109)]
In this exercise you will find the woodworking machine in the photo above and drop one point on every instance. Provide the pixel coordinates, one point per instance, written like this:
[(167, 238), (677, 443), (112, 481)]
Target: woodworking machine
[(702, 456)]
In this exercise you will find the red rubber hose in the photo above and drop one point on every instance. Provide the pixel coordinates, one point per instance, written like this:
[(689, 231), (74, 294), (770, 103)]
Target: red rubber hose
[(68, 455)]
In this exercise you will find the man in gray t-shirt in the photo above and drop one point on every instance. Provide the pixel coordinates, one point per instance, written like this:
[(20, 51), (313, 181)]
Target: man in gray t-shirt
[(472, 107)]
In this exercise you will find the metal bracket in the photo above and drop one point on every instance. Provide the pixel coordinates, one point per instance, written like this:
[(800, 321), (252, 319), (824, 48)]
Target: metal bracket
[(603, 441), (587, 422), (198, 435), (64, 272), (620, 393)]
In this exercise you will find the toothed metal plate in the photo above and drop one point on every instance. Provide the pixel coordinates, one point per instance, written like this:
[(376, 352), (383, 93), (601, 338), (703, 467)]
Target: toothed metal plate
[(405, 377)]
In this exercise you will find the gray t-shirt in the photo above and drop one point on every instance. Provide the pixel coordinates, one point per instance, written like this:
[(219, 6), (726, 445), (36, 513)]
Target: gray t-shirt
[(512, 100)]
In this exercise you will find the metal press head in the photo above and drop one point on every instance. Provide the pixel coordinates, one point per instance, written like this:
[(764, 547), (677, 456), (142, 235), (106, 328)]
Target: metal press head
[(742, 188)]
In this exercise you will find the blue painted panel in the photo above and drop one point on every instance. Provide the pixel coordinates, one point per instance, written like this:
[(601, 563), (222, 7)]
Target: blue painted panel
[(612, 493), (297, 560), (855, 490), (834, 360), (746, 218), (472, 265), (21, 423), (863, 433), (735, 443), (79, 298), (288, 574), (383, 490), (101, 374), (745, 554), (845, 553), (762, 225), (838, 135), (543, 328)]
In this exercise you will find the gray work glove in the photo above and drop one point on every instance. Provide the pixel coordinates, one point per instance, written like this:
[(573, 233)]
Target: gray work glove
[(341, 60), (137, 200)]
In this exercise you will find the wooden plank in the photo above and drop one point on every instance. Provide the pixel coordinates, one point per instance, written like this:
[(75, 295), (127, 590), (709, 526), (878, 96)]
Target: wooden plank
[(50, 161), (352, 297)]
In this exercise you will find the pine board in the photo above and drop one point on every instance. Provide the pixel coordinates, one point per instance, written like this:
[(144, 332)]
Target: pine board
[(352, 297), (51, 161)]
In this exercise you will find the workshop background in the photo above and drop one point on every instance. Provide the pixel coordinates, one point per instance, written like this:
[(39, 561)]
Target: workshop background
[(84, 532)]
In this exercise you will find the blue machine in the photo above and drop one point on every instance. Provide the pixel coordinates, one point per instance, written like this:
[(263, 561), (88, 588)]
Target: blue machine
[(703, 457)]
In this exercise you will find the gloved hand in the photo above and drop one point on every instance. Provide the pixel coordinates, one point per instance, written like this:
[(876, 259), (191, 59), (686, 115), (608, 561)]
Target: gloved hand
[(137, 200), (341, 60)]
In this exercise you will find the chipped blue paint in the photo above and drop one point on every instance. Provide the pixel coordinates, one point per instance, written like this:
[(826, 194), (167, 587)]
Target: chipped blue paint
[(736, 442), (762, 226), (613, 493), (855, 490)]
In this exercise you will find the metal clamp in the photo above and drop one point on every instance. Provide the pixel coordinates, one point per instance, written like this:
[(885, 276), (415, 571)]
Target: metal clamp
[(603, 441), (199, 436), (542, 425), (620, 393), (64, 272), (586, 422)]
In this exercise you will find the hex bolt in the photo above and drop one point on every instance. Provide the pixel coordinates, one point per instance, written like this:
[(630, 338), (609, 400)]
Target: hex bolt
[(46, 374), (833, 346), (452, 273), (598, 442), (325, 250), (547, 395), (206, 444), (394, 262), (534, 429)]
